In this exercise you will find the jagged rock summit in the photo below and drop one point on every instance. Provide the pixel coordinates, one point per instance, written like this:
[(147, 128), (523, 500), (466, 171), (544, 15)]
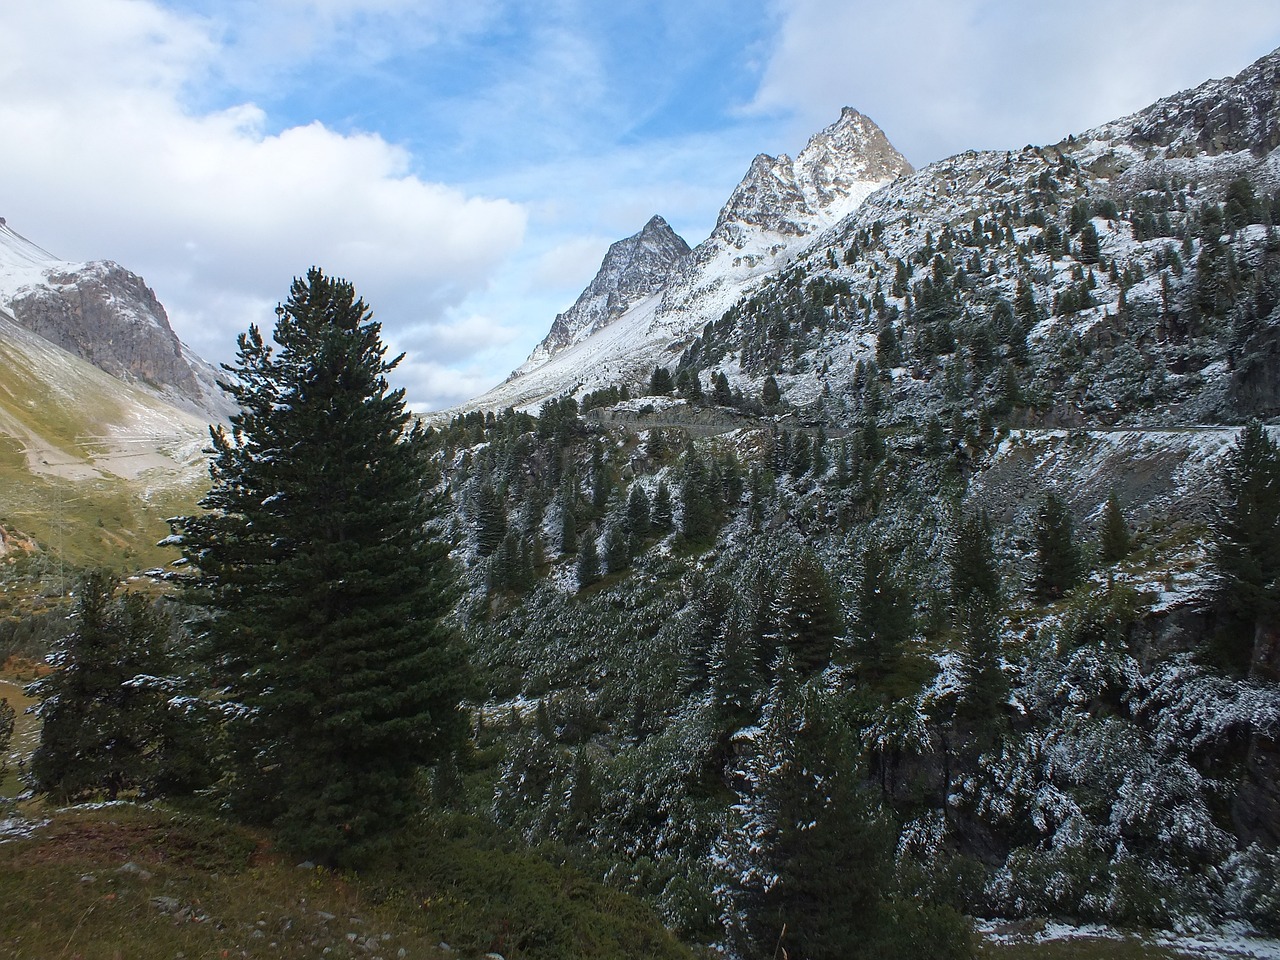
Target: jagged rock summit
[(653, 294), (633, 269), (107, 315)]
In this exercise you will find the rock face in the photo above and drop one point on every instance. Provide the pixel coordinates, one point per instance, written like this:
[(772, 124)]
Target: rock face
[(790, 199), (633, 269), (106, 315), (1233, 115)]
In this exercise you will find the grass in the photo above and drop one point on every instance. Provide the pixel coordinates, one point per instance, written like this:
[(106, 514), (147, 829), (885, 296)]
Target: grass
[(117, 881)]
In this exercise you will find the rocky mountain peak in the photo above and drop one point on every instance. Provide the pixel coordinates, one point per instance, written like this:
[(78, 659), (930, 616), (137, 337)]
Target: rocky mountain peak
[(107, 315), (632, 269), (837, 169)]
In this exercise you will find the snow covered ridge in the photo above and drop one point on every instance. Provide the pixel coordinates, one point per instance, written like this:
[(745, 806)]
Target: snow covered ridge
[(824, 217), (107, 315), (652, 293)]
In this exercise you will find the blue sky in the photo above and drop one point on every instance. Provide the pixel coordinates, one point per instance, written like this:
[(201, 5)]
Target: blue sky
[(466, 164)]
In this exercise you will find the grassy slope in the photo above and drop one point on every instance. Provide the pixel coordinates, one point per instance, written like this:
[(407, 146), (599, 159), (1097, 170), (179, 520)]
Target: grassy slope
[(64, 410), (201, 888)]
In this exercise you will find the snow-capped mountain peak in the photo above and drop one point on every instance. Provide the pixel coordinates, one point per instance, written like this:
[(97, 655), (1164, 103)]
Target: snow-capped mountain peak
[(105, 314), (633, 269), (652, 294)]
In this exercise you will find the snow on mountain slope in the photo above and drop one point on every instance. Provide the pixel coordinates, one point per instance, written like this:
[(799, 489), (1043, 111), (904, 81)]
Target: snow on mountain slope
[(632, 270), (774, 212), (108, 316)]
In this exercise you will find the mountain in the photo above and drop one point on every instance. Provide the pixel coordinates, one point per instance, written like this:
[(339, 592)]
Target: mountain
[(651, 309), (107, 315), (632, 270), (91, 465), (951, 535)]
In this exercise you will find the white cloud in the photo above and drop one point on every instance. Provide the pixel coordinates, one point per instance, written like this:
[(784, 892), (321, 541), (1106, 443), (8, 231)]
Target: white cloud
[(943, 76), (103, 160)]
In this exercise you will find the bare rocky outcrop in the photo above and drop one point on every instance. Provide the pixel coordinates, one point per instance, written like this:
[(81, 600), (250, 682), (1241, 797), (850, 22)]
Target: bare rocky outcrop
[(107, 315)]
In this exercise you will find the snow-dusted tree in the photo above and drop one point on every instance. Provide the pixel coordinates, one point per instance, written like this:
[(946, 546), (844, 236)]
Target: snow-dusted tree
[(808, 613), (660, 518), (588, 559), (1058, 564), (1114, 541), (638, 526), (975, 603), (808, 853), (884, 618), (1247, 544), (489, 516), (325, 586), (103, 710)]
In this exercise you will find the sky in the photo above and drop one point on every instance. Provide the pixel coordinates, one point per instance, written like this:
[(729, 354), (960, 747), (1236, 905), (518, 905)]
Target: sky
[(466, 165)]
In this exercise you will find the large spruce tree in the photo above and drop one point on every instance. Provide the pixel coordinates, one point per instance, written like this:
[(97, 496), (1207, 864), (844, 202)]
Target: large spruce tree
[(324, 584)]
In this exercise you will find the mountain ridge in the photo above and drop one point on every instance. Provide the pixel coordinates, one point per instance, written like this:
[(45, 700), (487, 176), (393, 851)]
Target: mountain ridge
[(775, 208)]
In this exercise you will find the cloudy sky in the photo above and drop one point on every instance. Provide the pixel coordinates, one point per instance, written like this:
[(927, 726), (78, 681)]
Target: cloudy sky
[(466, 165)]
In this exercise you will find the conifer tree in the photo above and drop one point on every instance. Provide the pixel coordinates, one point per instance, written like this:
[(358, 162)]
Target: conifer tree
[(661, 383), (489, 515), (1058, 564), (722, 395), (808, 615), (770, 395), (638, 516), (1246, 549), (324, 584), (661, 516), (588, 559), (803, 821), (617, 549), (1115, 541), (103, 711), (699, 507), (885, 618), (568, 530)]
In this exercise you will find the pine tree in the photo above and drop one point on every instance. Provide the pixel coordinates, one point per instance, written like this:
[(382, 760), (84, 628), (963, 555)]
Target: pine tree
[(1090, 247), (638, 516), (1246, 547), (699, 508), (489, 514), (722, 395), (568, 529), (885, 618), (1058, 564), (1115, 541), (770, 395), (660, 517), (971, 561), (808, 613), (617, 549), (661, 383), (810, 854), (588, 559), (103, 711), (325, 587)]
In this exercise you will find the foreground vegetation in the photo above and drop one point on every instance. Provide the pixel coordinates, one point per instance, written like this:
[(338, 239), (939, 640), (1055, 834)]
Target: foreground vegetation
[(123, 880)]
